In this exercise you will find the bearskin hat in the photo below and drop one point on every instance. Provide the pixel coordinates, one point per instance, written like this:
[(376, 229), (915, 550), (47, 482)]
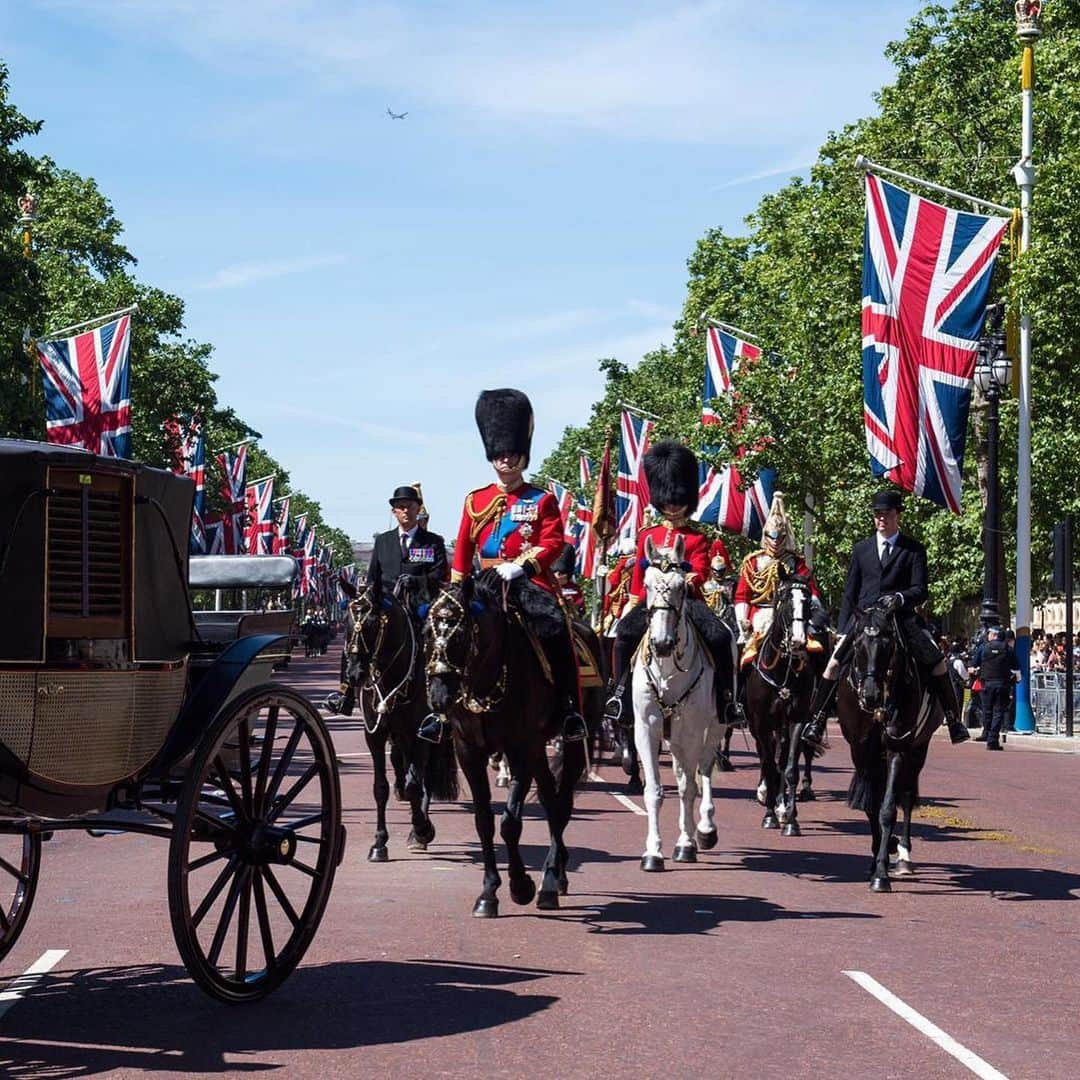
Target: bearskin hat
[(671, 471), (564, 563), (505, 420)]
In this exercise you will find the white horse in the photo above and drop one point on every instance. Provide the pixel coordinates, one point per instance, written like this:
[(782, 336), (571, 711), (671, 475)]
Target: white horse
[(673, 682)]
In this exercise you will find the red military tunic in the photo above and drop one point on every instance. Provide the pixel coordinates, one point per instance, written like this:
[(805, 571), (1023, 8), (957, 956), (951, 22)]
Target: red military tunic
[(696, 553), (747, 591), (521, 526)]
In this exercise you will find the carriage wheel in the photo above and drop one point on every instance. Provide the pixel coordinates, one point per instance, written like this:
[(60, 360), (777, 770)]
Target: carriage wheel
[(255, 844), (20, 861)]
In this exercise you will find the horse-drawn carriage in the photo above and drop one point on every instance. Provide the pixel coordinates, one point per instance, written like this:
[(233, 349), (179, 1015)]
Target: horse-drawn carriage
[(118, 712)]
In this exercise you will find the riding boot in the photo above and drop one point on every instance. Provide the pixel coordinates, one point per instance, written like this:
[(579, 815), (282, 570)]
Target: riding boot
[(941, 687), (621, 653), (433, 729), (813, 734), (348, 699)]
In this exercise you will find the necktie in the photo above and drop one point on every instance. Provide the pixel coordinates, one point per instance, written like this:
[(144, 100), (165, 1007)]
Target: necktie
[(886, 550)]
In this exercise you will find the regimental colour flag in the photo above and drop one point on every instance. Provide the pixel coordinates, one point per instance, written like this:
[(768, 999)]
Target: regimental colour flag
[(926, 276), (565, 499), (723, 354), (720, 500), (86, 381), (632, 489), (233, 484), (259, 508)]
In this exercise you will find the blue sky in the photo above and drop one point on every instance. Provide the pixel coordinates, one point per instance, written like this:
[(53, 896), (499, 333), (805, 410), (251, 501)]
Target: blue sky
[(361, 278)]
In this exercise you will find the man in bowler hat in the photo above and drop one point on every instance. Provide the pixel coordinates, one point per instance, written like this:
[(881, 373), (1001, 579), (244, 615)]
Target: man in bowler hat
[(408, 550)]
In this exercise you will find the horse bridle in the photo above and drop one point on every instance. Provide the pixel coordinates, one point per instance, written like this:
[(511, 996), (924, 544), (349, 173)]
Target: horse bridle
[(796, 662), (665, 565), (440, 664), (871, 630), (363, 607)]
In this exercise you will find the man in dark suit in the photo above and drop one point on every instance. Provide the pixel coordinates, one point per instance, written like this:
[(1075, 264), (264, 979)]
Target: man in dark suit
[(888, 569), (408, 550)]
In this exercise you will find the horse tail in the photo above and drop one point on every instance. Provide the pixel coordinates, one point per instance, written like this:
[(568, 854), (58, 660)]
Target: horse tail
[(867, 788), (441, 775)]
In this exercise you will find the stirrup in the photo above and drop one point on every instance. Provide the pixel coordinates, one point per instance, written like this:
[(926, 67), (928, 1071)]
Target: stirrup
[(432, 729), (613, 708), (735, 714), (574, 728)]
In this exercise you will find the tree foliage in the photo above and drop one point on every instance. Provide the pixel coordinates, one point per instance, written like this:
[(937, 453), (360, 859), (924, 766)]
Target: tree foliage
[(951, 115)]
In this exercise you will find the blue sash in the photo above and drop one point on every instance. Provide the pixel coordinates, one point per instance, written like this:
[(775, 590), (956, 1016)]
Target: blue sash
[(492, 546)]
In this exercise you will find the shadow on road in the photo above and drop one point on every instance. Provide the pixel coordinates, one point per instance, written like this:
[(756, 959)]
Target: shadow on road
[(84, 1023)]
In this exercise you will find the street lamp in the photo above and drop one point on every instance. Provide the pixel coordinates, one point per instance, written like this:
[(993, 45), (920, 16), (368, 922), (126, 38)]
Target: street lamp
[(993, 375)]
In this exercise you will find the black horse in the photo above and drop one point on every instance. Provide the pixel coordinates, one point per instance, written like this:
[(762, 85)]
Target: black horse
[(778, 691), (384, 662), (485, 675), (888, 721)]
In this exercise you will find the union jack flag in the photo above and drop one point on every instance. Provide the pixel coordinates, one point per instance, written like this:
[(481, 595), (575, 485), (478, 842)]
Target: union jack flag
[(87, 389), (632, 489), (259, 504), (300, 531), (585, 539), (721, 501), (586, 468), (281, 526), (565, 499), (723, 353), (309, 565), (191, 461), (215, 535), (926, 275), (233, 485)]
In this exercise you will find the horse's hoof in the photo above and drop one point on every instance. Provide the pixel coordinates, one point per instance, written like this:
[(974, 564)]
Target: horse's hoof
[(485, 908), (547, 900), (724, 763), (414, 843), (791, 829), (652, 864), (523, 891), (769, 822), (685, 853), (904, 869), (634, 786), (628, 762), (705, 840), (564, 885), (880, 884), (378, 854), (806, 794)]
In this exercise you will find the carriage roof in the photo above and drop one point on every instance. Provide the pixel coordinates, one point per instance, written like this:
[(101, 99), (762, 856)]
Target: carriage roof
[(241, 571)]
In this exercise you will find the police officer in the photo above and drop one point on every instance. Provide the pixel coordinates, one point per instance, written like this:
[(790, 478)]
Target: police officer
[(998, 669), (889, 569)]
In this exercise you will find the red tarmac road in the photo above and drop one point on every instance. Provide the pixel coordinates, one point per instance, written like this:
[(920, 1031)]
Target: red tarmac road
[(733, 967)]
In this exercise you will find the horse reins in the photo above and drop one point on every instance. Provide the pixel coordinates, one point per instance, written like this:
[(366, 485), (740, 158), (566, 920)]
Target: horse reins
[(439, 664), (384, 702)]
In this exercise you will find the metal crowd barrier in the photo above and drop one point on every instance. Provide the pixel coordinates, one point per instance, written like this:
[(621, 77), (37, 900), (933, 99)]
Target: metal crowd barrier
[(1048, 702)]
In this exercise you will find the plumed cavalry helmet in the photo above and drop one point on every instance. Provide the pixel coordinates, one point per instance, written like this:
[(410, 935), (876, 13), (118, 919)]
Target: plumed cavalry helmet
[(777, 535), (505, 420), (671, 471)]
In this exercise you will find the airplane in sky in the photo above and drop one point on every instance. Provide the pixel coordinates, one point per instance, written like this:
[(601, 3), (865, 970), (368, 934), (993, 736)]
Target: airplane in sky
[(395, 116)]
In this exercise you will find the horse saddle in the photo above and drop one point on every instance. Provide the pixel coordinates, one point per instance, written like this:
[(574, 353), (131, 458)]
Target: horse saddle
[(590, 673)]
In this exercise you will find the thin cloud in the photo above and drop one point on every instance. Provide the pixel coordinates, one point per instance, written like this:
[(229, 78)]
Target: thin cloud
[(764, 174), (241, 274)]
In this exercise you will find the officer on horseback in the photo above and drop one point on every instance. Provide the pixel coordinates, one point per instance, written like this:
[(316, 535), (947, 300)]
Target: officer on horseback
[(617, 590), (515, 530), (888, 569), (409, 550), (759, 579), (671, 471)]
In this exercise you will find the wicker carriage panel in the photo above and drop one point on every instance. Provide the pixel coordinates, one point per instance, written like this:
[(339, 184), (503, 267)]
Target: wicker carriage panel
[(99, 727), (17, 711)]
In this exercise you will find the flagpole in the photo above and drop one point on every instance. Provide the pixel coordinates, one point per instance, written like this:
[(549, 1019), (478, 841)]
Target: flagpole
[(270, 476), (866, 165), (90, 322), (640, 412), (729, 327), (1028, 31), (232, 446)]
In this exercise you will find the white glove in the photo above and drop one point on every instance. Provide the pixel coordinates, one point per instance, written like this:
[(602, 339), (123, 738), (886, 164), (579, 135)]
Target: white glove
[(509, 571)]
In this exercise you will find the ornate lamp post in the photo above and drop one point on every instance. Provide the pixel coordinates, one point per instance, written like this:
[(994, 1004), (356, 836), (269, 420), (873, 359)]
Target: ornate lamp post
[(993, 374), (27, 217)]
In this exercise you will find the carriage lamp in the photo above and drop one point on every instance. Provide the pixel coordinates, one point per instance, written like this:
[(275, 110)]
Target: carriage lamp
[(993, 374)]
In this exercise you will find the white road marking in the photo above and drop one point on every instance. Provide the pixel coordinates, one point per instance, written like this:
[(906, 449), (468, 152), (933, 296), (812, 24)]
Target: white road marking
[(624, 799), (966, 1057), (30, 977), (355, 753)]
